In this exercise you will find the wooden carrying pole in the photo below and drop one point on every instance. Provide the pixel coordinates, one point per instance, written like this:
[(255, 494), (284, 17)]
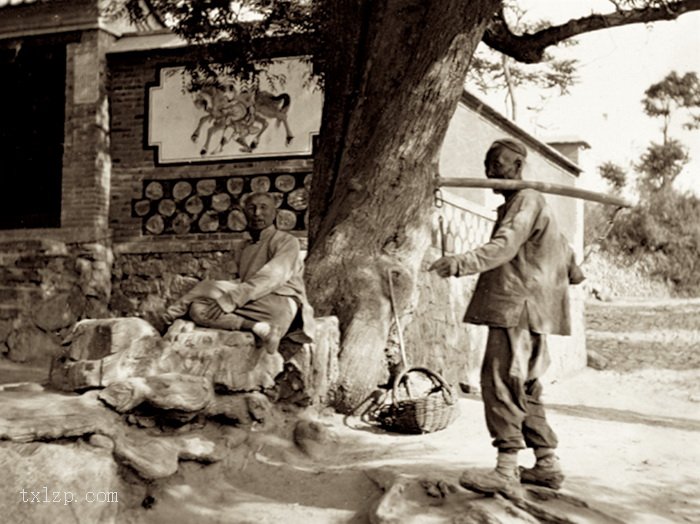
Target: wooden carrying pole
[(545, 187)]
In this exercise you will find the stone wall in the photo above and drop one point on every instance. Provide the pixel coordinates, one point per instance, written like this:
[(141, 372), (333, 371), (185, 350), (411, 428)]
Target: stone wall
[(144, 282), (45, 287), (51, 277)]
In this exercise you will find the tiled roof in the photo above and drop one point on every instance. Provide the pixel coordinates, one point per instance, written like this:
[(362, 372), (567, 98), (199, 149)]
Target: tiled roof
[(5, 3)]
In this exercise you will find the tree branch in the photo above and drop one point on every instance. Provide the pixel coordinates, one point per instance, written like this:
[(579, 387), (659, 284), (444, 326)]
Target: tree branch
[(530, 47)]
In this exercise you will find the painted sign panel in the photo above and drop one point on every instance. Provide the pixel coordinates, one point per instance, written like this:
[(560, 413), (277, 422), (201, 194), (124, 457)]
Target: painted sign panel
[(277, 116)]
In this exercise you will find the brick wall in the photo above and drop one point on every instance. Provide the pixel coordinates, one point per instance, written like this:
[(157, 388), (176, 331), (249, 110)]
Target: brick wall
[(86, 158), (134, 164), (152, 268)]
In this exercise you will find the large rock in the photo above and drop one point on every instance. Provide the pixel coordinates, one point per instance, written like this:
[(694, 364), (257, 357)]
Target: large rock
[(170, 391), (28, 415), (60, 311), (110, 351), (47, 483), (230, 358), (31, 344), (103, 352), (311, 370), (155, 457), (96, 338)]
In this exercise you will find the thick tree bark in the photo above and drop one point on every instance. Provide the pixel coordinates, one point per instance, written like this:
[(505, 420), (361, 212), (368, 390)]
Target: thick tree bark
[(393, 77)]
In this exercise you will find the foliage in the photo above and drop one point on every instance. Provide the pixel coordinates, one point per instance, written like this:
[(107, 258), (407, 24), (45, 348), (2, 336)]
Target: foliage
[(660, 165), (614, 175), (212, 25), (671, 95), (666, 228)]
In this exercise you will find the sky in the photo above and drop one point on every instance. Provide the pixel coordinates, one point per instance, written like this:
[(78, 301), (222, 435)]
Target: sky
[(615, 67)]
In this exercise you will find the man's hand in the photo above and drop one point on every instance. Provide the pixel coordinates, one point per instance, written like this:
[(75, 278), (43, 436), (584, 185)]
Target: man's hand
[(210, 309), (176, 310), (445, 266)]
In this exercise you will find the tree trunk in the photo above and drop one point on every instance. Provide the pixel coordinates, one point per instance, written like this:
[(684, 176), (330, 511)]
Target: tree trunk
[(390, 90)]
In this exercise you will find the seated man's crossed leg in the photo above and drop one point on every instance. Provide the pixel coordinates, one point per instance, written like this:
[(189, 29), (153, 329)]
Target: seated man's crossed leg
[(268, 317)]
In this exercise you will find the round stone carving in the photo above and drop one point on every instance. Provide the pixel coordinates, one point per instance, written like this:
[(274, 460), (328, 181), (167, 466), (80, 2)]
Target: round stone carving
[(166, 207), (221, 201), (260, 184), (279, 198), (236, 220), (181, 223), (298, 199), (142, 207), (234, 186), (286, 220), (155, 225), (182, 190), (154, 190), (206, 187), (285, 183), (307, 181), (209, 222), (194, 205)]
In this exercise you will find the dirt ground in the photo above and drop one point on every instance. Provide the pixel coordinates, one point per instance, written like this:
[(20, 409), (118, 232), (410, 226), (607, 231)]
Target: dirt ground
[(629, 443)]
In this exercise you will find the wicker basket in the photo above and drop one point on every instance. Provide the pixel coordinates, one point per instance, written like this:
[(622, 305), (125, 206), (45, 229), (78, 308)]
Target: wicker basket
[(432, 412)]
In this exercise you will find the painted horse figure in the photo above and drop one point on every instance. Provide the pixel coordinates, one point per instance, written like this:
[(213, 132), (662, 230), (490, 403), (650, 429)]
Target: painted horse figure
[(273, 107), (239, 115)]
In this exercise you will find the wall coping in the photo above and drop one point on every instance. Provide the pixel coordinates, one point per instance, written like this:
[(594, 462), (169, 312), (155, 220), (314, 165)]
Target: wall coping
[(153, 246), (66, 235), (482, 108)]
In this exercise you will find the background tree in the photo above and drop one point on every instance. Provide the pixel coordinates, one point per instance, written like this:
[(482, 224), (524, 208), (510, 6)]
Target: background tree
[(663, 227), (674, 94), (614, 175), (393, 73), (660, 165)]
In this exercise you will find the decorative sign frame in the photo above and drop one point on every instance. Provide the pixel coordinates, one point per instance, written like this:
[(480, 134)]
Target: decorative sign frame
[(278, 116)]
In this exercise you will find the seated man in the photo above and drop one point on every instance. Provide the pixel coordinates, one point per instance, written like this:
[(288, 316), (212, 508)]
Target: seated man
[(270, 290)]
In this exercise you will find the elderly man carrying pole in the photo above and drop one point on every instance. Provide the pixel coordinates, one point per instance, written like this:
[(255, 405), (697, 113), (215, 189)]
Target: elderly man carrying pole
[(522, 295)]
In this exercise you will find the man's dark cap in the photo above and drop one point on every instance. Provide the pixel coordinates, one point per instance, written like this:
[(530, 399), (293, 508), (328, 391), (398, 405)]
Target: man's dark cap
[(514, 146)]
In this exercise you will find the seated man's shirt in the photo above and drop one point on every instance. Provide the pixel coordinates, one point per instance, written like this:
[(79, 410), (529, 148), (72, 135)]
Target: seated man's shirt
[(272, 265)]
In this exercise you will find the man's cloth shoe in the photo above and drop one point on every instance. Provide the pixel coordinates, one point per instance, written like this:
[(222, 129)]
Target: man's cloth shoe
[(546, 472), (270, 336), (491, 482)]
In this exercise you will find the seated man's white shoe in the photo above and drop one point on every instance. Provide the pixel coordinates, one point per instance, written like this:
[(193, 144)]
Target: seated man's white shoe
[(268, 334)]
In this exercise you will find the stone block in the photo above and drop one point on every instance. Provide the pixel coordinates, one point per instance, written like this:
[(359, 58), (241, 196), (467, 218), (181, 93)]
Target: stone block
[(169, 391), (96, 338), (158, 457), (311, 370), (230, 358), (132, 348), (243, 409), (28, 415), (5, 329), (60, 311), (67, 478), (31, 344)]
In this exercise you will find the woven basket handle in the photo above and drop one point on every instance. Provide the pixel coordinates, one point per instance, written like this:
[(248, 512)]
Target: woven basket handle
[(437, 380)]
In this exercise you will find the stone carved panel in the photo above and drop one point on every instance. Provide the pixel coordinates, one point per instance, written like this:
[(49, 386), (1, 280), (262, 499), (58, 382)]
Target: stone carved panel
[(214, 205)]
